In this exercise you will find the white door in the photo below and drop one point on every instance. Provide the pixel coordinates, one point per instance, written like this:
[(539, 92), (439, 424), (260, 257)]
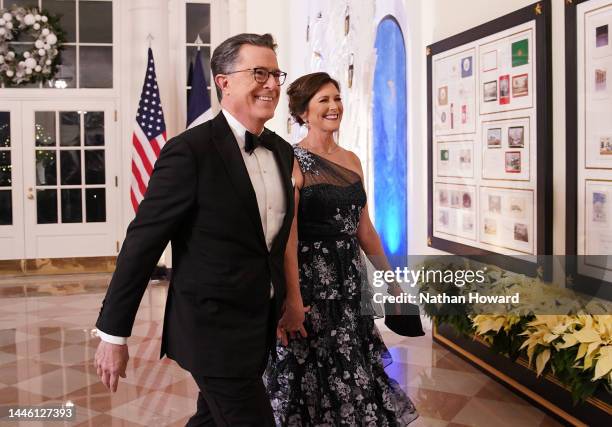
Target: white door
[(70, 162), (11, 188)]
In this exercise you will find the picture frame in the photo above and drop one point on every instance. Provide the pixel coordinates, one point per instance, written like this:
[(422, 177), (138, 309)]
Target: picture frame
[(494, 137), (489, 90), (503, 81), (516, 136), (520, 85), (588, 147), (513, 161)]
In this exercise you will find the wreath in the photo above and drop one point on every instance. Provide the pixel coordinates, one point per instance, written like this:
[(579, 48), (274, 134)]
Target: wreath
[(39, 63)]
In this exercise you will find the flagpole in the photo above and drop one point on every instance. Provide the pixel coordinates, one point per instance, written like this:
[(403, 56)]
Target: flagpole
[(198, 42), (198, 105)]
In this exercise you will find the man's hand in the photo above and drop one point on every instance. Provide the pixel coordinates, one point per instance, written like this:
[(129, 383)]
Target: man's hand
[(292, 320), (110, 362)]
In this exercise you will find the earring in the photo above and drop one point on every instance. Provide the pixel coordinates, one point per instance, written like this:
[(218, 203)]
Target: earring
[(307, 123)]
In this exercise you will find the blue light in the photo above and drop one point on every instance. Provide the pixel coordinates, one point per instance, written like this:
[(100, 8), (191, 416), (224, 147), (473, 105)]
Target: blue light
[(390, 141)]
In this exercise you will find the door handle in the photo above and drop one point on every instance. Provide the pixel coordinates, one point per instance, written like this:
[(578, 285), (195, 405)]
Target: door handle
[(30, 195)]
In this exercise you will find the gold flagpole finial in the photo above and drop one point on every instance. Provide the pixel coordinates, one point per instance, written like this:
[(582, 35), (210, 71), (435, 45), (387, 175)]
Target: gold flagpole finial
[(538, 9)]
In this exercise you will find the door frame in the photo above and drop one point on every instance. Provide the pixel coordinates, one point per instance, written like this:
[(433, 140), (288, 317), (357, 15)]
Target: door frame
[(71, 240), (12, 242)]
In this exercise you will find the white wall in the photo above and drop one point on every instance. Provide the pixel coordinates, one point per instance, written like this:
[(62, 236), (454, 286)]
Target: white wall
[(272, 16), (416, 19)]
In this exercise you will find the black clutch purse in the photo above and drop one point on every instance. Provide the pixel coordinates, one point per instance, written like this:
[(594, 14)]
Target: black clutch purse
[(407, 323)]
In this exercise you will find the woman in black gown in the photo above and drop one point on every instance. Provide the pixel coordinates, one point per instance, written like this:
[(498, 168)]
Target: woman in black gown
[(334, 375)]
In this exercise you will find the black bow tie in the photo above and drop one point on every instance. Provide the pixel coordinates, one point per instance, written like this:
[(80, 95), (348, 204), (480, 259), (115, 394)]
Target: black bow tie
[(251, 142)]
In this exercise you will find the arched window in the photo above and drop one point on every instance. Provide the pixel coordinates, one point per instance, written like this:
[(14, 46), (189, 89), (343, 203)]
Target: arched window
[(390, 141)]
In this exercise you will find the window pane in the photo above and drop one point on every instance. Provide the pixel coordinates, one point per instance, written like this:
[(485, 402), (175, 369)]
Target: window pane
[(46, 206), (70, 129), (22, 3), (67, 10), (5, 168), (94, 128), (94, 167), (66, 71), (5, 129), (96, 66), (46, 167), (95, 22), (20, 46), (205, 59), (45, 128), (198, 22), (70, 165), (6, 208), (72, 208), (95, 201)]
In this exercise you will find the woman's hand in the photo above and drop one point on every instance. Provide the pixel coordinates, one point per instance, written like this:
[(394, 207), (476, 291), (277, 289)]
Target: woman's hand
[(394, 289), (292, 321)]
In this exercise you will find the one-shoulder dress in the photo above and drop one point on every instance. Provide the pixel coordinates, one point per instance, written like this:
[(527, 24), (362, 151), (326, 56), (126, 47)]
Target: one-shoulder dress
[(336, 375)]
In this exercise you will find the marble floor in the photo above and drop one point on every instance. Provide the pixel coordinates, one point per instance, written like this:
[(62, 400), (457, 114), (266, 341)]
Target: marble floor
[(47, 346)]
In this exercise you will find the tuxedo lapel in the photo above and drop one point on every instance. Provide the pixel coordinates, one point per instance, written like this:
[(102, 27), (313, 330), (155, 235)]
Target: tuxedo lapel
[(226, 144)]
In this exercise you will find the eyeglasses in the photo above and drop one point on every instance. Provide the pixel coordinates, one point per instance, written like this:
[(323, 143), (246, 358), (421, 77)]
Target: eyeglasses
[(261, 75)]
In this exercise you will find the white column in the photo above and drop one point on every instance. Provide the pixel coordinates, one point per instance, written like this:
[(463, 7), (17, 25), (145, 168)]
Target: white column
[(138, 19), (272, 16), (236, 17)]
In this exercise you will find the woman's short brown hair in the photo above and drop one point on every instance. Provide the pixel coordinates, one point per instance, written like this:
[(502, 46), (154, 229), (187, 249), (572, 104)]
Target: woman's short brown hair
[(303, 89)]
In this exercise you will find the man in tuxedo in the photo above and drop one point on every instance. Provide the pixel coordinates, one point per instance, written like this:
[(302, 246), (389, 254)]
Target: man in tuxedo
[(221, 192)]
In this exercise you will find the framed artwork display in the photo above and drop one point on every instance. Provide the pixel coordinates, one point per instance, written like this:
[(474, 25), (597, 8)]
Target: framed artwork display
[(589, 147), (490, 140)]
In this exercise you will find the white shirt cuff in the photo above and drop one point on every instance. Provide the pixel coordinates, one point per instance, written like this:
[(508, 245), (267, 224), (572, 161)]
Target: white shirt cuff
[(111, 338)]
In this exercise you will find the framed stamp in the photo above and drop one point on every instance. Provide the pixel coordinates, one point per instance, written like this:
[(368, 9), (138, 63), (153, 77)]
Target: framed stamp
[(494, 136), (513, 161), (516, 136), (489, 61), (520, 85), (489, 90)]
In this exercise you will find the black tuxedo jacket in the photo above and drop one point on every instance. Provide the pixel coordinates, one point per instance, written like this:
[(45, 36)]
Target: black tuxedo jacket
[(201, 199)]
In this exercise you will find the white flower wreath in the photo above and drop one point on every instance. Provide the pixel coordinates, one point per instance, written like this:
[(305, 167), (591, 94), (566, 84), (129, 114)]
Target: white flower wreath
[(36, 64)]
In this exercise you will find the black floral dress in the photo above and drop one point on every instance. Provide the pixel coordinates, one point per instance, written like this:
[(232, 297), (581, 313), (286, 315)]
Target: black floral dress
[(336, 375)]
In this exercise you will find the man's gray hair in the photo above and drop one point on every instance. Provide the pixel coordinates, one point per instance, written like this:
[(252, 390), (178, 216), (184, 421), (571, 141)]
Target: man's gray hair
[(224, 57)]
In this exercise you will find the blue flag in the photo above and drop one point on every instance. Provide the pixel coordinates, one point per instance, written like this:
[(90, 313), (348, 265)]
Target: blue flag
[(198, 109)]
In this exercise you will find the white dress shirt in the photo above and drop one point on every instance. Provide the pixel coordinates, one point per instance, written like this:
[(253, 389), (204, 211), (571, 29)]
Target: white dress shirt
[(266, 180)]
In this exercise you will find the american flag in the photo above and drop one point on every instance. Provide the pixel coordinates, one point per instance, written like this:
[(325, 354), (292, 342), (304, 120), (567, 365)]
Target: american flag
[(149, 135)]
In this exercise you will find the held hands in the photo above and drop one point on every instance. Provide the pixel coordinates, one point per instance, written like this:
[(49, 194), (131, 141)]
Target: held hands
[(292, 321), (110, 362)]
